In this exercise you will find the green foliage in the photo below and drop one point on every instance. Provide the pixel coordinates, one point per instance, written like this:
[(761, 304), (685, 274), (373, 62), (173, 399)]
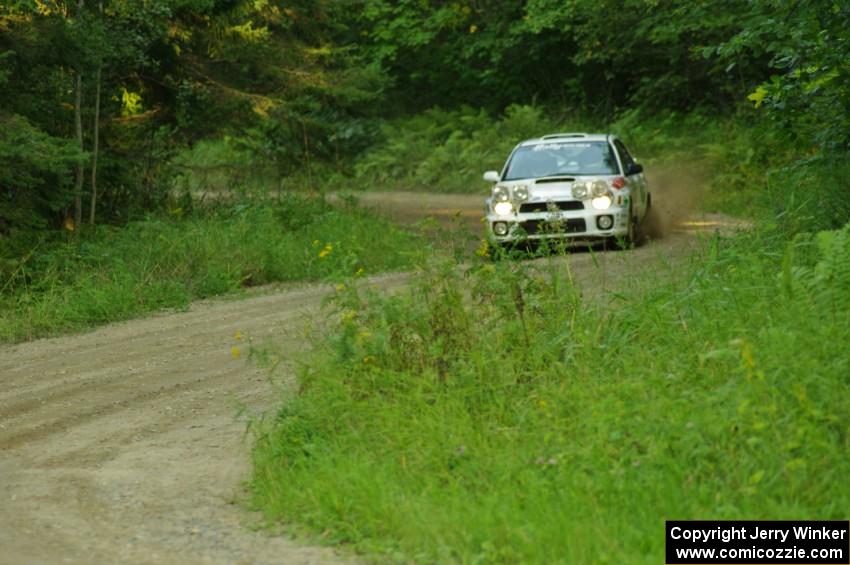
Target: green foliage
[(806, 42), (521, 423), (447, 151), (216, 169), (176, 72), (166, 261), (33, 183), (822, 274), (584, 55), (805, 196)]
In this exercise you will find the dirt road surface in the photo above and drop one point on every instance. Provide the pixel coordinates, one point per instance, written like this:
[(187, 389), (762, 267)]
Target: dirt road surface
[(123, 445)]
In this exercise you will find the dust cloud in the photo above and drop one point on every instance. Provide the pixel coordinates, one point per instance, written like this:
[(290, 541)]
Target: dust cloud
[(676, 193)]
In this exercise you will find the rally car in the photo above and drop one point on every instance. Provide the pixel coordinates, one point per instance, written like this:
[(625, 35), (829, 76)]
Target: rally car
[(573, 186)]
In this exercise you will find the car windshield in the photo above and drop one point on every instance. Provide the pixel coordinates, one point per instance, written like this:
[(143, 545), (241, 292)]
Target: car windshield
[(571, 158)]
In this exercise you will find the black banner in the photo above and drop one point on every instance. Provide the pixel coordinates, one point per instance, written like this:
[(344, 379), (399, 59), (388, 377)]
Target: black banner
[(694, 542)]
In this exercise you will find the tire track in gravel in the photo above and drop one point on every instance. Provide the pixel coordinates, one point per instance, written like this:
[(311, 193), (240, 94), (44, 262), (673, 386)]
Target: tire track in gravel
[(122, 445), (112, 377)]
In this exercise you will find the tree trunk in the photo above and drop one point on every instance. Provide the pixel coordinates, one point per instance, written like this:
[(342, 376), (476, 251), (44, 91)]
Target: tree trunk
[(307, 155), (78, 123), (95, 138)]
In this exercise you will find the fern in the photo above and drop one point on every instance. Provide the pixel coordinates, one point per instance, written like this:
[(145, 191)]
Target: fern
[(828, 280)]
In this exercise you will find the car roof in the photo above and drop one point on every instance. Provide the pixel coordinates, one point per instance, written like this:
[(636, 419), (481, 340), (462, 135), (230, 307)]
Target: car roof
[(571, 137)]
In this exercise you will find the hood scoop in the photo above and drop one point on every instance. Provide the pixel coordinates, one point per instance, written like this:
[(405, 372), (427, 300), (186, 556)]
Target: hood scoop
[(554, 179)]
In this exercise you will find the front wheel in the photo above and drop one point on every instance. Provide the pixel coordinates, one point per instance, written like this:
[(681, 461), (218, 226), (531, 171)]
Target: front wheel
[(634, 237)]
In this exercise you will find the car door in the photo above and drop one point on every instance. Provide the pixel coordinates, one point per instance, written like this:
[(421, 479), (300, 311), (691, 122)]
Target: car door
[(636, 180)]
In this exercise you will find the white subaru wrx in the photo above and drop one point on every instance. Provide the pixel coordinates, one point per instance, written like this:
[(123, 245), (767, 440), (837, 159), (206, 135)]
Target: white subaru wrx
[(574, 186)]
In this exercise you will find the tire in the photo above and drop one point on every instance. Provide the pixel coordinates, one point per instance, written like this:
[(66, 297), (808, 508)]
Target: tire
[(635, 236)]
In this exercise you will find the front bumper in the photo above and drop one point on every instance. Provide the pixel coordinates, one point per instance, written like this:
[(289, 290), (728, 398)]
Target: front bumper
[(573, 225)]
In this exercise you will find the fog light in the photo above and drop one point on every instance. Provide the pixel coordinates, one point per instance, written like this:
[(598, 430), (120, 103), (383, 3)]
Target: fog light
[(605, 222), (500, 228)]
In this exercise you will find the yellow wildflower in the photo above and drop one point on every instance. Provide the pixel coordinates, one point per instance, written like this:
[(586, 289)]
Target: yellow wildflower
[(347, 316), (234, 352), (326, 250)]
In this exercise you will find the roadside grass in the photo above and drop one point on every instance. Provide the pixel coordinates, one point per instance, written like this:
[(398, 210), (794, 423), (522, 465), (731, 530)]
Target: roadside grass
[(492, 416), (168, 260)]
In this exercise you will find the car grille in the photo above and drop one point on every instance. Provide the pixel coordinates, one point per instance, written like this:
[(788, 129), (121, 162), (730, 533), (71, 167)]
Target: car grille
[(544, 206), (574, 225)]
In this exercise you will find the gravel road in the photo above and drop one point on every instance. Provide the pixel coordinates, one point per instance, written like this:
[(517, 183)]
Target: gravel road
[(124, 444)]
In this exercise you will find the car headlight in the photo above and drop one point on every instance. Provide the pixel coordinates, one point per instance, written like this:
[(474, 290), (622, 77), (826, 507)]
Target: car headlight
[(521, 193), (601, 202), (503, 208), (599, 188), (580, 190), (501, 194)]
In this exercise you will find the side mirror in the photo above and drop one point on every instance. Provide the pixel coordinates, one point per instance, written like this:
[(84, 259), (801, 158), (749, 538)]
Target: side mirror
[(634, 169), (491, 176)]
